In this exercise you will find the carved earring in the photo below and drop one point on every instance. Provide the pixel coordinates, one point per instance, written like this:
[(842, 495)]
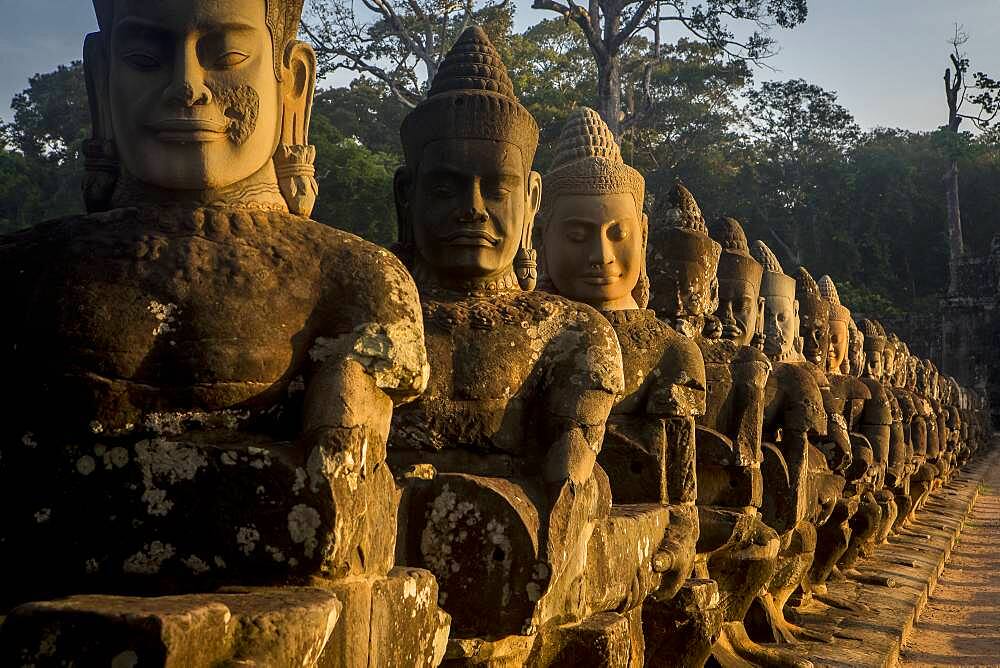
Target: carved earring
[(526, 268), (101, 171), (293, 165)]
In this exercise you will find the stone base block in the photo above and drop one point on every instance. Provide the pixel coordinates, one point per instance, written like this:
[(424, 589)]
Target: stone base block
[(286, 626), (681, 631)]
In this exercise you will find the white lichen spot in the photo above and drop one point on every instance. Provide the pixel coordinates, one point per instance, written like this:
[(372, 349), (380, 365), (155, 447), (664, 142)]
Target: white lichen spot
[(148, 562), (196, 565), (410, 588), (156, 502), (275, 553), (91, 566), (165, 315), (219, 561), (293, 562), (303, 522), (300, 480), (28, 440), (534, 591), (246, 538), (322, 349), (127, 659), (115, 458), (229, 458), (85, 465), (43, 515), (96, 427)]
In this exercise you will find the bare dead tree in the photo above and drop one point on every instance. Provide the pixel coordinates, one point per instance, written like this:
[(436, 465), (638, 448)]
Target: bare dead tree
[(610, 25), (983, 94)]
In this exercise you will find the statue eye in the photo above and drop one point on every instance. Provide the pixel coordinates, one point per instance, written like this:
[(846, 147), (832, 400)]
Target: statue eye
[(231, 59), (141, 61), (617, 233), (498, 194)]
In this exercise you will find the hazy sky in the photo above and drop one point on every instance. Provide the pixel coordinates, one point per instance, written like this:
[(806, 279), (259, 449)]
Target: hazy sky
[(885, 58)]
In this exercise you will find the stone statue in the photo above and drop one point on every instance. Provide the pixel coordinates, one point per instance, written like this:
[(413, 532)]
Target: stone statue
[(850, 395), (794, 418), (735, 547), (503, 499), (740, 312), (205, 375), (593, 250)]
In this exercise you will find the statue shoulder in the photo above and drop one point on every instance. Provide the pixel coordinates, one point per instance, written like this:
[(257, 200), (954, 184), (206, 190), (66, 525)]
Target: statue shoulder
[(583, 344), (849, 387), (680, 388)]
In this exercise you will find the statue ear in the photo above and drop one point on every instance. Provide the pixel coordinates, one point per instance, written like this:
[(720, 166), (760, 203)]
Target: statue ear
[(405, 246), (100, 156), (641, 290), (526, 261), (713, 295), (294, 158)]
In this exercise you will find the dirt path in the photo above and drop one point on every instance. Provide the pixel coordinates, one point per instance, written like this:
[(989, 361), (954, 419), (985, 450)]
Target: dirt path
[(961, 624)]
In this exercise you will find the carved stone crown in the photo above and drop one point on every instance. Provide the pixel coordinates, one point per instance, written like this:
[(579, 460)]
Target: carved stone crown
[(874, 335), (471, 98), (736, 262), (829, 292), (775, 282), (589, 162), (678, 229), (806, 286), (283, 18)]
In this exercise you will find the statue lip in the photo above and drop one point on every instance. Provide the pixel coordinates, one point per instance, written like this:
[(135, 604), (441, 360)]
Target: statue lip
[(472, 238), (184, 130), (600, 278)]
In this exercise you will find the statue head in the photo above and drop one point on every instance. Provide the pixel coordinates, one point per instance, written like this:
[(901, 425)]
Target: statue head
[(682, 261), (201, 101), (889, 356), (741, 309), (840, 320), (931, 379), (912, 366), (781, 308), (874, 347), (902, 364), (594, 231), (814, 318), (855, 364), (467, 198)]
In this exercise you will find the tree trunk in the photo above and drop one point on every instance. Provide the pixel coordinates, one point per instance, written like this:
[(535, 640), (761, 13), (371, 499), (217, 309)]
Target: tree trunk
[(955, 244), (609, 92)]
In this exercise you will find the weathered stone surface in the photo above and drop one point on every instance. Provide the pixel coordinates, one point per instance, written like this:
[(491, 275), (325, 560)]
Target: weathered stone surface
[(270, 626)]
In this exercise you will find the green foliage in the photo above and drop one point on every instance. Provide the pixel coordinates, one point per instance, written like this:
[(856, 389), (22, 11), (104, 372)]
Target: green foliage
[(355, 184)]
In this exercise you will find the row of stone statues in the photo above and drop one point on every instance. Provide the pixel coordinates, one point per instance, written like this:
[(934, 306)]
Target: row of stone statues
[(640, 442)]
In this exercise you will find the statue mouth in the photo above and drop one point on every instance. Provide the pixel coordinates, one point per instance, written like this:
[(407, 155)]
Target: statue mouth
[(188, 130), (600, 279), (480, 238)]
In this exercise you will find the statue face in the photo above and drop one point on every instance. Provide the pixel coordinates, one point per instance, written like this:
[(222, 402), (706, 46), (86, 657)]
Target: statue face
[(873, 364), (839, 338), (689, 289), (781, 325), (471, 204), (889, 360), (738, 305), (195, 104), (593, 249), (815, 331)]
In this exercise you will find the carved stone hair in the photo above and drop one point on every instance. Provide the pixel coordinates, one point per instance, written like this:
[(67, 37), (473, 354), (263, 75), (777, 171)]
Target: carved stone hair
[(829, 291), (775, 281), (736, 262)]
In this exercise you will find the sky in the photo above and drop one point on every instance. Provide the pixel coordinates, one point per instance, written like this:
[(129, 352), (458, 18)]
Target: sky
[(884, 58)]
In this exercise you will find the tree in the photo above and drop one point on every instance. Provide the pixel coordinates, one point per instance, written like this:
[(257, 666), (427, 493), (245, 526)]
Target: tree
[(801, 135), (609, 26), (986, 99), (399, 43)]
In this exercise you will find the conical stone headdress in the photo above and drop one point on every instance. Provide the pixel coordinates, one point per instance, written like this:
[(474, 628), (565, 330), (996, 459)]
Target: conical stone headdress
[(736, 262), (807, 289), (874, 335), (471, 97), (678, 235), (589, 162), (775, 281), (829, 292), (283, 18)]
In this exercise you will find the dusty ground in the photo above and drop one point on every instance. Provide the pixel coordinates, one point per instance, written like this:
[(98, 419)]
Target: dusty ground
[(961, 624)]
